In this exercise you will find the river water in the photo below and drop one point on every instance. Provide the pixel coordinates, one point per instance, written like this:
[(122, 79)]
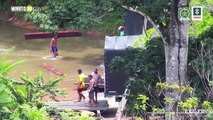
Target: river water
[(75, 52)]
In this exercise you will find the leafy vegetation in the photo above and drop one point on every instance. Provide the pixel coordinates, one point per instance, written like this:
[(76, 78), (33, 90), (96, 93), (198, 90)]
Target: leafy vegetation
[(80, 15), (146, 71), (145, 67), (149, 35), (174, 34), (22, 100), (28, 112), (71, 115), (5, 5), (31, 2)]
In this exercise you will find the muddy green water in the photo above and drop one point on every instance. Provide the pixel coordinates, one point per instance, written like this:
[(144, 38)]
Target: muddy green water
[(75, 52)]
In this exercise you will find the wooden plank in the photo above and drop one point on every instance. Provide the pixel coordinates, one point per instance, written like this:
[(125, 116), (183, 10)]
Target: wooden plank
[(73, 103), (67, 33), (103, 105), (52, 69)]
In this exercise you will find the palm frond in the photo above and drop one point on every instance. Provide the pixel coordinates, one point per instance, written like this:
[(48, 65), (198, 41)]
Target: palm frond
[(5, 64)]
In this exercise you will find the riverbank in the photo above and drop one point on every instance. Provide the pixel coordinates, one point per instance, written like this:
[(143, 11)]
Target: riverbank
[(18, 20)]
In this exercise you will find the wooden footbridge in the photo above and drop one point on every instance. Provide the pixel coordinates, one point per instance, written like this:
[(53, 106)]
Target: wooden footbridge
[(74, 105)]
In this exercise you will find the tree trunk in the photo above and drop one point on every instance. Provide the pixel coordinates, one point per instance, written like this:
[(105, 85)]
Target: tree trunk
[(175, 39), (176, 54)]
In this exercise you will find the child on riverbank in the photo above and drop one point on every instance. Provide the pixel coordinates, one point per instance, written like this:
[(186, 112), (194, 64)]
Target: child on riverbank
[(81, 84), (91, 91)]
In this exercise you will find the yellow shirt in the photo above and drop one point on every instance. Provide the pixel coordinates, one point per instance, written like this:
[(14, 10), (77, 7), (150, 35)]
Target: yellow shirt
[(80, 81)]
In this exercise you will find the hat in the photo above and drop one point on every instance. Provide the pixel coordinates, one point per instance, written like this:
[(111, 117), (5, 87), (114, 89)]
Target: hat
[(121, 28)]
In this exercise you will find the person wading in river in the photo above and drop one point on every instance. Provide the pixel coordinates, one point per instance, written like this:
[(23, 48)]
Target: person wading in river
[(53, 46)]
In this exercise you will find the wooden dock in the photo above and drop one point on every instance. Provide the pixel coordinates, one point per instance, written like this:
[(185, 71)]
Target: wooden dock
[(63, 105)]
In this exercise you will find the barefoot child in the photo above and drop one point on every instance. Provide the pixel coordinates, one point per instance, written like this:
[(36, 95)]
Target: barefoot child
[(53, 46), (97, 77), (81, 84), (91, 90)]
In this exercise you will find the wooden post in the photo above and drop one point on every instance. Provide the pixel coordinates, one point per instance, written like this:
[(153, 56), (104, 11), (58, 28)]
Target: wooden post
[(121, 107), (98, 113), (144, 31)]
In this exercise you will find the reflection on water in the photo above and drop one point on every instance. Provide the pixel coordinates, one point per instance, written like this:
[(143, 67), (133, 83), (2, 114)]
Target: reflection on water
[(75, 52)]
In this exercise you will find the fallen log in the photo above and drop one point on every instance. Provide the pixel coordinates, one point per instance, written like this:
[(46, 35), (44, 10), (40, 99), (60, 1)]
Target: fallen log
[(37, 35)]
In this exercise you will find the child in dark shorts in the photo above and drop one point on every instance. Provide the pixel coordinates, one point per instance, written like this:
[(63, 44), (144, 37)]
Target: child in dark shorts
[(91, 90), (91, 94), (53, 45)]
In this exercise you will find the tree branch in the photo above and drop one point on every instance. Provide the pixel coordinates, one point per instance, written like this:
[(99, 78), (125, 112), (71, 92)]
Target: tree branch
[(104, 14)]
